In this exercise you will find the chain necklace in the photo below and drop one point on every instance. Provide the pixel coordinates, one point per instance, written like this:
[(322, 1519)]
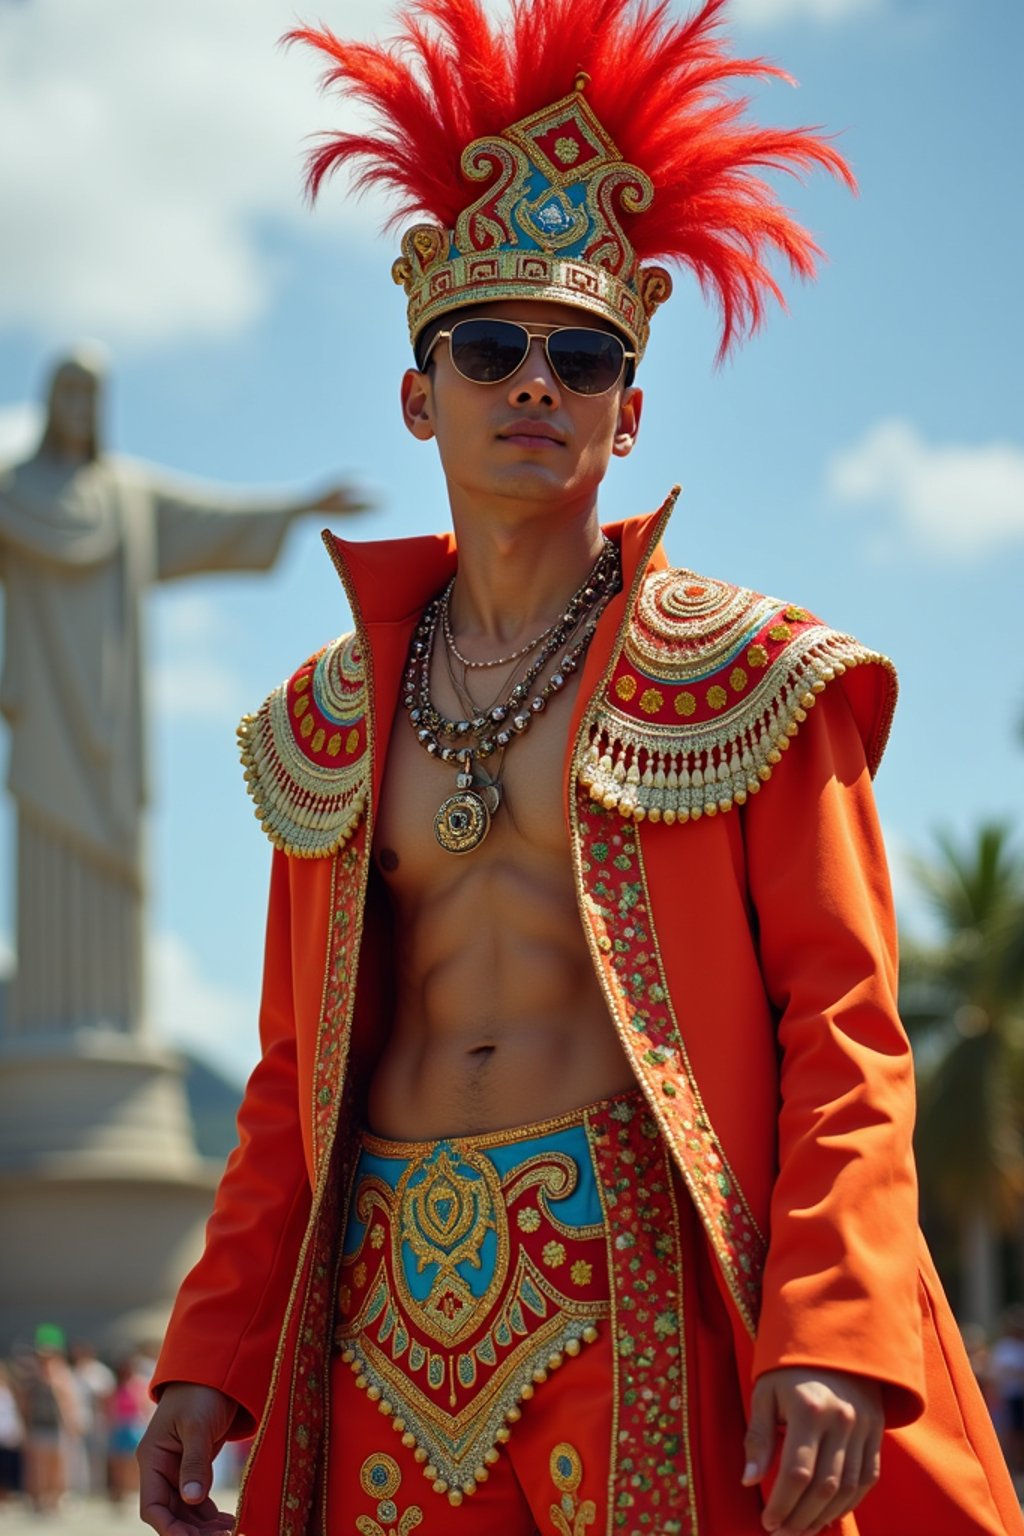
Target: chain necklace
[(461, 689), (578, 597), (463, 820), (498, 661)]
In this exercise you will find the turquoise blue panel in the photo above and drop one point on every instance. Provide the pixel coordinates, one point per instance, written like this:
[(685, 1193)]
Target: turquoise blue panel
[(583, 1207)]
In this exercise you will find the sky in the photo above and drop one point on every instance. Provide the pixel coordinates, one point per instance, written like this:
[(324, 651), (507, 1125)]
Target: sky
[(862, 456)]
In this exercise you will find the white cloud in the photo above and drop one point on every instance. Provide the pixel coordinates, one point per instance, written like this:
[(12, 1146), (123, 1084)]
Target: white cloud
[(146, 151), (953, 499), (195, 1014), (142, 150), (190, 618), (20, 428), (770, 13), (197, 688), (188, 680)]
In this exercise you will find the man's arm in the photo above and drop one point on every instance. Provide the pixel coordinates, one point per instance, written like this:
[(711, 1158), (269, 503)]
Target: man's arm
[(838, 1350), (223, 1333)]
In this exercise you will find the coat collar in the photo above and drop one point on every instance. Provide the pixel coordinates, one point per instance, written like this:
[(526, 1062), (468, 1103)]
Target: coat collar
[(389, 582)]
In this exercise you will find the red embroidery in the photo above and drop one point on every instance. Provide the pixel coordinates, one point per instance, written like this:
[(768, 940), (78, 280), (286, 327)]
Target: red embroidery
[(617, 910), (651, 1486), (335, 1156)]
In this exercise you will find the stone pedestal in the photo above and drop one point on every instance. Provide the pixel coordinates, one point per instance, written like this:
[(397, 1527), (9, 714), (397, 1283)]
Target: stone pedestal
[(103, 1197)]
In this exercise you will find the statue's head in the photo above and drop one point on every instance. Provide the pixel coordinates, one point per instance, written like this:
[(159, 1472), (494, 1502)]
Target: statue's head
[(72, 428)]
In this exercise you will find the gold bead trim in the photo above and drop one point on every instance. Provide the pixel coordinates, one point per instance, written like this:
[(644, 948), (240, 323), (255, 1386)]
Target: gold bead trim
[(305, 756), (679, 773), (519, 1392)]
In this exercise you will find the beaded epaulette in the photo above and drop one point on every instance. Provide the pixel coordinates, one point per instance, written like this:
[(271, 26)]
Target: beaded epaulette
[(712, 683), (305, 753)]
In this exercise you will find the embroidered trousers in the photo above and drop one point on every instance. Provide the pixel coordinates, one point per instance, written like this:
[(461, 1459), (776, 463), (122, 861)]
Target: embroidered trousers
[(531, 1339)]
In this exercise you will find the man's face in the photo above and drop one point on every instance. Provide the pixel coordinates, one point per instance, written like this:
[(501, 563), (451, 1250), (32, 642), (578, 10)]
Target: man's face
[(527, 439)]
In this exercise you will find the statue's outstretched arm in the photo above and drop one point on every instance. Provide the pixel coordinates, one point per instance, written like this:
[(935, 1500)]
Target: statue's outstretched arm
[(201, 528)]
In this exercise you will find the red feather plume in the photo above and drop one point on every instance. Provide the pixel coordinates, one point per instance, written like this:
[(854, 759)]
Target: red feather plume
[(657, 85)]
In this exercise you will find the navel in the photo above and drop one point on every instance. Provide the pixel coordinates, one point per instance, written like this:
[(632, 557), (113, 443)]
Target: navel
[(481, 1053)]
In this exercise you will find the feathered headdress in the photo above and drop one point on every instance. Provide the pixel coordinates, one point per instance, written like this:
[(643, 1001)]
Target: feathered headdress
[(565, 152)]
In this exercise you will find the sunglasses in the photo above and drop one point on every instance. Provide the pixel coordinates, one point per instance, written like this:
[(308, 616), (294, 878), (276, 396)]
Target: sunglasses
[(488, 351)]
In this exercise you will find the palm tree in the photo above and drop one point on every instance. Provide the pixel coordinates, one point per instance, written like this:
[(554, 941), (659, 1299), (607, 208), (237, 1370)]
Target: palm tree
[(963, 1002)]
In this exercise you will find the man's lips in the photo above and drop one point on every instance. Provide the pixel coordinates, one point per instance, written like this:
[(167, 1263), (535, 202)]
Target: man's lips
[(527, 432)]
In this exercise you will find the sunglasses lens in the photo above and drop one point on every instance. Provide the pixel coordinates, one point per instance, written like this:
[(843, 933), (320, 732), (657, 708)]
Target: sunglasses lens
[(587, 362), (487, 351)]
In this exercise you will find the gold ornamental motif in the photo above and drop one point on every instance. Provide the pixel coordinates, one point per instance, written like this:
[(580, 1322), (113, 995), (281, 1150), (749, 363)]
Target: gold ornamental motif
[(448, 1204), (692, 639), (551, 223), (380, 1478), (571, 1516)]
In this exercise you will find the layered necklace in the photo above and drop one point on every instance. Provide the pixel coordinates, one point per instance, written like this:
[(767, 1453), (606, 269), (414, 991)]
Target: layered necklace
[(485, 732)]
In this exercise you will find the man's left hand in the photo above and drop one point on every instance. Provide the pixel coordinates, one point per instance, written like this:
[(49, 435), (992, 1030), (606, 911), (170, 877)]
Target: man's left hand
[(831, 1451)]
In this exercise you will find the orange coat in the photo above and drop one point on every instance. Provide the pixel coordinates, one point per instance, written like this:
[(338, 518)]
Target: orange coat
[(762, 1025)]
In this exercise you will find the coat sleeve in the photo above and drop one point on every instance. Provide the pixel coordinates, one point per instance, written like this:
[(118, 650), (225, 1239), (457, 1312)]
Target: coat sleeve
[(840, 1285), (227, 1318)]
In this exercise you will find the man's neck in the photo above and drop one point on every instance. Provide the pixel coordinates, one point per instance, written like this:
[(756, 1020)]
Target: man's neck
[(515, 574)]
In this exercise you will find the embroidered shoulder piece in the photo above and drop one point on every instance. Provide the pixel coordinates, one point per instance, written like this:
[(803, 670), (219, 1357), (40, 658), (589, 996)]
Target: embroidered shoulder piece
[(708, 689), (305, 753)]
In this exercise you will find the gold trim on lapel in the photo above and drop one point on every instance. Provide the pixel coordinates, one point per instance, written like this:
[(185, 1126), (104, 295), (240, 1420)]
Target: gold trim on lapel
[(613, 897)]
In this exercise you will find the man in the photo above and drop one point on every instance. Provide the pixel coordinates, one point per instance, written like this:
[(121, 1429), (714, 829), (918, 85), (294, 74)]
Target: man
[(582, 1125)]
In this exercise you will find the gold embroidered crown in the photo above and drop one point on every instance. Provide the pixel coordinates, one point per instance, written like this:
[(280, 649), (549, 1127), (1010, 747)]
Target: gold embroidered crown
[(577, 197)]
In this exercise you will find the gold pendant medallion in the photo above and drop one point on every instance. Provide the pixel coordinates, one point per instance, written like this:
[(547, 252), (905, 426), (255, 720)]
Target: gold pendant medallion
[(462, 822), (464, 819)]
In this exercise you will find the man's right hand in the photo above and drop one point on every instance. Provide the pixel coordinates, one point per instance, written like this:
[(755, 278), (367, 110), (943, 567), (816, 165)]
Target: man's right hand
[(189, 1427)]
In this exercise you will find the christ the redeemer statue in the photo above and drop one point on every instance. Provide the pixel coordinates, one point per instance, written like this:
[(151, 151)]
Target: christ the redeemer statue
[(82, 536)]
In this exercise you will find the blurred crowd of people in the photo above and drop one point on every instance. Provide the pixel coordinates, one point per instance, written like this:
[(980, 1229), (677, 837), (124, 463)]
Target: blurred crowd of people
[(69, 1422)]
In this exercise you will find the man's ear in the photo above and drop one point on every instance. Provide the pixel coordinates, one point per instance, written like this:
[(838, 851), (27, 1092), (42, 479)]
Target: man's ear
[(630, 409), (418, 404)]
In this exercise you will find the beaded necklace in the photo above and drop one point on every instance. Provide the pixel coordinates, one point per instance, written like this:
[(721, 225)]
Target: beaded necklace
[(463, 820)]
